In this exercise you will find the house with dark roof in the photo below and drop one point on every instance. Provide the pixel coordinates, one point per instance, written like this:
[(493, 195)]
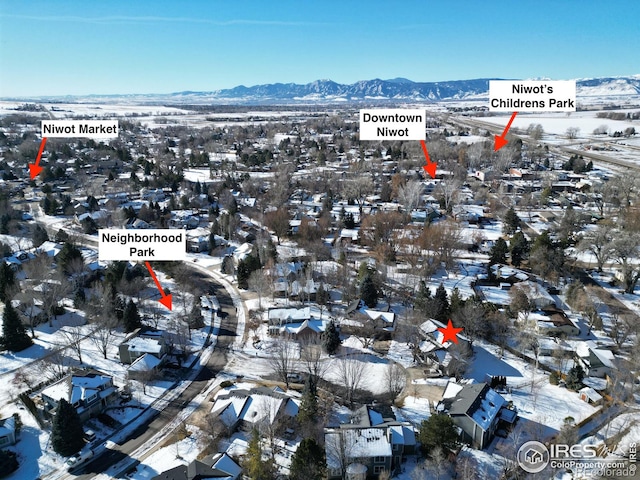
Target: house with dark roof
[(596, 361), (477, 410), (448, 357), (220, 466)]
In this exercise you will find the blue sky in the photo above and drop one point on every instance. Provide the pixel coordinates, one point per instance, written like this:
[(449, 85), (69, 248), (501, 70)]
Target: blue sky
[(136, 46)]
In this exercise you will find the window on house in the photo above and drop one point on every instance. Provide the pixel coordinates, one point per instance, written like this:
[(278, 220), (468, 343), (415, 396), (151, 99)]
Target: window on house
[(378, 469), (378, 460)]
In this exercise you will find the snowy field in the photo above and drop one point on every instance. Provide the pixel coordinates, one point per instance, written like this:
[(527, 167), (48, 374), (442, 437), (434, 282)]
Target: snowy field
[(557, 123)]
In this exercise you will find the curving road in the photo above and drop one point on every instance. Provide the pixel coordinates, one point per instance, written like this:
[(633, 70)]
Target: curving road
[(215, 364)]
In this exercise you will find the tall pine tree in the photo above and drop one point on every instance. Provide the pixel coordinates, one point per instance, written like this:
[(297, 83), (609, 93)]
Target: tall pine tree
[(369, 292), (442, 310), (131, 317), (309, 402), (331, 338), (255, 467), (423, 297), (66, 431), (7, 281), (498, 252), (308, 463), (14, 335)]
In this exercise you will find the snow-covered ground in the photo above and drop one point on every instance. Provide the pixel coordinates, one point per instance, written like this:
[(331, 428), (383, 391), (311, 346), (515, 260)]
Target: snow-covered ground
[(180, 452), (34, 447), (558, 123), (541, 403)]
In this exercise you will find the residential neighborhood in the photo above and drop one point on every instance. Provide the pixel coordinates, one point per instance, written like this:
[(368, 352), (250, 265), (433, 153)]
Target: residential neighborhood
[(245, 280)]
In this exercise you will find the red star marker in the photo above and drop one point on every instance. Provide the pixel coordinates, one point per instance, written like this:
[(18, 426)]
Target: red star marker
[(450, 333)]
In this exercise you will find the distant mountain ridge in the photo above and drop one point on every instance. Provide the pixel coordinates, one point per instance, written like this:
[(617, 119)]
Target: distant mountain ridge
[(397, 89), (376, 90)]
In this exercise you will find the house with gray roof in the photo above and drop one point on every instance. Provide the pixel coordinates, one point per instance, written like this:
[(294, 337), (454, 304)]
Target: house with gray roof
[(596, 361), (477, 410), (219, 466)]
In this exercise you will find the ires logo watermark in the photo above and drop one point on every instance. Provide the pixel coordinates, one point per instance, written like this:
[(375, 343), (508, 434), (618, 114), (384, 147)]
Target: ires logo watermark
[(534, 457)]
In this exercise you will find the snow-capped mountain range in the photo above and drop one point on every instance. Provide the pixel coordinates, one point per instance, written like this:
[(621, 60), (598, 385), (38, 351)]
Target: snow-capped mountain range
[(393, 90)]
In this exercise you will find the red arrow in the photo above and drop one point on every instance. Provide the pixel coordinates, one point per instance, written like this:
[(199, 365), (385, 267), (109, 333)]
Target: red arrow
[(430, 167), (166, 299), (500, 140), (35, 168)]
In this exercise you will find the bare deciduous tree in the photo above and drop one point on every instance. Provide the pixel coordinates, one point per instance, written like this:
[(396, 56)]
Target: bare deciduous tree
[(102, 335), (270, 424), (53, 365), (437, 463), (409, 195), (282, 359), (74, 336), (572, 132), (340, 448), (394, 379), (350, 372), (261, 284), (366, 333), (358, 189), (598, 243), (311, 356)]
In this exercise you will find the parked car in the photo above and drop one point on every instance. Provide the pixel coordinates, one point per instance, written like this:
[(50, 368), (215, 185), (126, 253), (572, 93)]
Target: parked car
[(78, 459)]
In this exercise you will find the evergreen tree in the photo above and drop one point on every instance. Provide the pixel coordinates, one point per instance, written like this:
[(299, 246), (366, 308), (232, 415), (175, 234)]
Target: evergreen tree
[(331, 338), (575, 377), (309, 402), (245, 267), (39, 236), (511, 222), (369, 292), (308, 463), (131, 317), (498, 252), (322, 295), (67, 255), (117, 302), (348, 221), (519, 248), (443, 309), (61, 236), (7, 281), (423, 297), (195, 319), (227, 267), (457, 302), (438, 431), (66, 431), (79, 297), (255, 467), (14, 335)]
